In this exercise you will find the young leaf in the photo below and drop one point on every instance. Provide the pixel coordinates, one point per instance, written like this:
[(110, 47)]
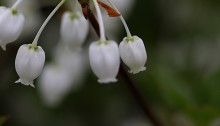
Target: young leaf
[(111, 12)]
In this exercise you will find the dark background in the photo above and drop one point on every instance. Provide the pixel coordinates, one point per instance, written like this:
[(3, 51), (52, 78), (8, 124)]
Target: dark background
[(181, 83)]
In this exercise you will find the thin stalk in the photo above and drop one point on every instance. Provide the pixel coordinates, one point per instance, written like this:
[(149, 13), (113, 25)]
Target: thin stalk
[(75, 7), (147, 109), (122, 19), (100, 19), (15, 5), (46, 21)]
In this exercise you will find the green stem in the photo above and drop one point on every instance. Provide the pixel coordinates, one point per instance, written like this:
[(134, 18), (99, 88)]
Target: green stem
[(122, 19), (15, 5), (46, 21), (101, 24)]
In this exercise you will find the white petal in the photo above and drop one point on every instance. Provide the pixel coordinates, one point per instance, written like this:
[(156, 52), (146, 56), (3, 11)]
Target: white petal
[(104, 61), (25, 82), (65, 74), (133, 54), (3, 46), (29, 62), (2, 9), (11, 26), (107, 80), (54, 84), (70, 60), (74, 30)]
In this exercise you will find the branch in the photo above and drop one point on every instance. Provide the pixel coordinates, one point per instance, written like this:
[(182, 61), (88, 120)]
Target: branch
[(122, 72)]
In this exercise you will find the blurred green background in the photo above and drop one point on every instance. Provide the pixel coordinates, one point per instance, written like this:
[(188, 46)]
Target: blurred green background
[(181, 83)]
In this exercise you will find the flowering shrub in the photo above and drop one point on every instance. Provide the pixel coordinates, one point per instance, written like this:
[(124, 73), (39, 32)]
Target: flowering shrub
[(181, 83), (104, 55), (68, 61)]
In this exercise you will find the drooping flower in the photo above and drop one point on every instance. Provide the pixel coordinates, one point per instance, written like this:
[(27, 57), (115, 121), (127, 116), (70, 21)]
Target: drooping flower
[(64, 74), (132, 49), (104, 54), (133, 53), (70, 60), (104, 60), (54, 84), (74, 29), (30, 58), (11, 25), (29, 63)]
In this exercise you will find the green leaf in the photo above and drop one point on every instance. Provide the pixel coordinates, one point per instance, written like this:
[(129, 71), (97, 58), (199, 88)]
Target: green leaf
[(173, 89), (203, 115)]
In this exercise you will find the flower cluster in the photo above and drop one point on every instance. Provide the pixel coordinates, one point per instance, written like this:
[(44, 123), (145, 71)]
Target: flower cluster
[(104, 55)]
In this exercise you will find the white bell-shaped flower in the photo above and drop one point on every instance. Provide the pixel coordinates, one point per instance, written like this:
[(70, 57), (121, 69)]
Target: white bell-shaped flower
[(29, 63), (74, 29), (104, 60), (11, 25), (72, 61), (63, 75), (54, 84), (133, 53)]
